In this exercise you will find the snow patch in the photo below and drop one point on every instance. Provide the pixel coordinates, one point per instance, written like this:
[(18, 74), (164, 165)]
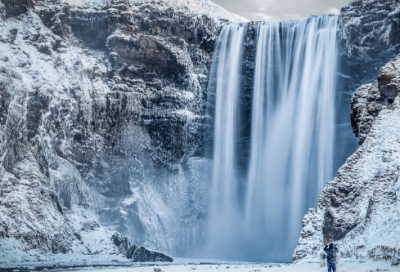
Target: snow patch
[(196, 6)]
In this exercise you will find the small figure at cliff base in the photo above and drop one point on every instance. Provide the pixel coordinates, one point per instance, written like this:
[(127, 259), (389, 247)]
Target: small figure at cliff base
[(331, 251)]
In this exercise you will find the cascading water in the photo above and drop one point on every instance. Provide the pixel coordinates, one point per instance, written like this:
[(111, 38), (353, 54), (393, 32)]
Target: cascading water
[(291, 142), (226, 68)]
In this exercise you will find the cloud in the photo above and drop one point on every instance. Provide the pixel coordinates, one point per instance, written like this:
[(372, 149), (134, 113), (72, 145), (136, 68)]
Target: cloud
[(334, 11), (280, 10), (263, 16)]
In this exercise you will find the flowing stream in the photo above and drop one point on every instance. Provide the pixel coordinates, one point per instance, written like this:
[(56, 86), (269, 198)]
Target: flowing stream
[(256, 211)]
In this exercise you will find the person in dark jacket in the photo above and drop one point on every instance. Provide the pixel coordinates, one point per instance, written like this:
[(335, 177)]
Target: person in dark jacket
[(331, 251)]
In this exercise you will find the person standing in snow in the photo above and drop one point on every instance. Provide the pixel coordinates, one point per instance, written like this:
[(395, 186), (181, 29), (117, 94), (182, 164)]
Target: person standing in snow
[(331, 251)]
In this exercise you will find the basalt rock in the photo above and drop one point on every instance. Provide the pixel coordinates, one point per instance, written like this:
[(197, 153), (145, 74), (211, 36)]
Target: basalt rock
[(369, 37), (15, 8), (368, 100), (142, 254), (122, 242)]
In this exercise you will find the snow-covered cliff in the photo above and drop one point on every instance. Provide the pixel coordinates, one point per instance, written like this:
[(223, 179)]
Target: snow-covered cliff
[(101, 118)]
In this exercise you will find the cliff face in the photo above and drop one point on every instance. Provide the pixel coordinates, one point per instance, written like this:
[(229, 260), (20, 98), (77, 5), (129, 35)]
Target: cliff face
[(359, 208), (102, 112), (369, 37)]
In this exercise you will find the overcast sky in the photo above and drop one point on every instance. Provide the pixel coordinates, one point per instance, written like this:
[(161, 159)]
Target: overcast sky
[(280, 10)]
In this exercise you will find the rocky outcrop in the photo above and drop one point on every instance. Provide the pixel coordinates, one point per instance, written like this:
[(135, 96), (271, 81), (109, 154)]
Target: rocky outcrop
[(370, 99), (369, 37), (358, 209), (15, 8), (122, 242), (138, 253), (101, 117), (142, 254)]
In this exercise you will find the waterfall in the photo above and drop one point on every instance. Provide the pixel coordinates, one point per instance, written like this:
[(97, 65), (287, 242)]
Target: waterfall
[(257, 216), (226, 83)]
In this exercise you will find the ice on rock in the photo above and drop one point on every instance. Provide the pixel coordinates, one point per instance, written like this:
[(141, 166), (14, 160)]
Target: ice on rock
[(91, 134)]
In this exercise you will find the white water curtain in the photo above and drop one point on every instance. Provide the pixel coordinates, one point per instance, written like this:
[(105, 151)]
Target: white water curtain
[(292, 135)]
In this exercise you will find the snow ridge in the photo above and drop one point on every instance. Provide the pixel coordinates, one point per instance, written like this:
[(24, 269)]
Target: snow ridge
[(196, 6)]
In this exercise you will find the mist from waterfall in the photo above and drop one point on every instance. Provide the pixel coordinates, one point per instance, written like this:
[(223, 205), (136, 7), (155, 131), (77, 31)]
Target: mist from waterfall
[(256, 215)]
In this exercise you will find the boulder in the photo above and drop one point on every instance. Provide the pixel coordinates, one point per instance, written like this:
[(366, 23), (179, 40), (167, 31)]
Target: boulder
[(122, 242), (142, 254)]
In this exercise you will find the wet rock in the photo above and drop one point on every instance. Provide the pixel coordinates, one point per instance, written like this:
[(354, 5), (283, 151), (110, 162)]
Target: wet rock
[(15, 8), (369, 36), (142, 254), (370, 99), (122, 242), (3, 13)]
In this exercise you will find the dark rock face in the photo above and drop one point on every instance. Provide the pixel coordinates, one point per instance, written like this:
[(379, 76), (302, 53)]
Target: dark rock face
[(368, 100), (369, 35), (142, 254), (122, 242), (138, 253), (247, 84), (334, 230), (15, 8)]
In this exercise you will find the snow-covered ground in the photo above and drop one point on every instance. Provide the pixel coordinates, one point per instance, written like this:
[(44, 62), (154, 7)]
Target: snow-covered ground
[(96, 264), (181, 266)]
